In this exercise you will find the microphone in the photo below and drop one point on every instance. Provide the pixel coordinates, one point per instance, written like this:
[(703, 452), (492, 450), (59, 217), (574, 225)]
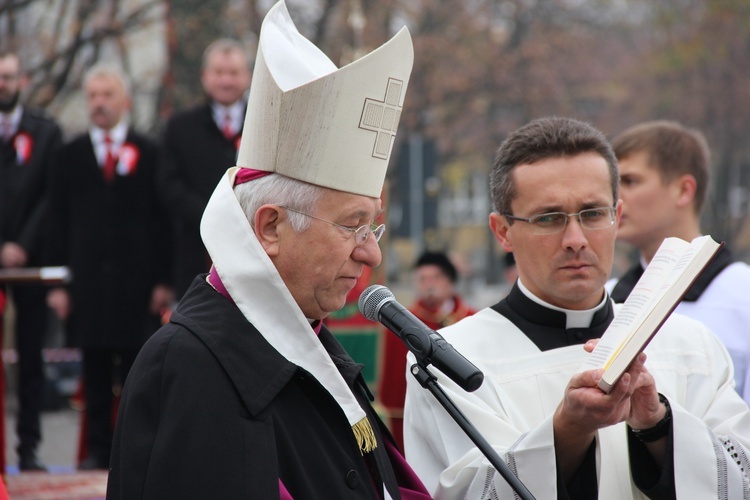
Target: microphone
[(377, 303)]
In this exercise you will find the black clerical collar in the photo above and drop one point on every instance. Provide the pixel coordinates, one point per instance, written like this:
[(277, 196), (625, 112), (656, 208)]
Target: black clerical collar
[(627, 282), (546, 327), (573, 318)]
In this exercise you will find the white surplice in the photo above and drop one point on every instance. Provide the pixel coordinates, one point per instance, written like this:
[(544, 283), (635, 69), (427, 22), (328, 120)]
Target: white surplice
[(523, 386)]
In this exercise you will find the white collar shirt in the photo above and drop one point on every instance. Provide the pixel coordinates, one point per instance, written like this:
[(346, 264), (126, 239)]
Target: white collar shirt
[(117, 134)]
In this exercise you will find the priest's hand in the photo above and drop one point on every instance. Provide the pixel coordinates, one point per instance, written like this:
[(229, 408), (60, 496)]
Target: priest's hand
[(646, 411), (645, 408), (585, 409), (644, 401)]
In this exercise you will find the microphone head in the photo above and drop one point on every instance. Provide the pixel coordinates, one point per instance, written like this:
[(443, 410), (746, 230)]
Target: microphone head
[(372, 299)]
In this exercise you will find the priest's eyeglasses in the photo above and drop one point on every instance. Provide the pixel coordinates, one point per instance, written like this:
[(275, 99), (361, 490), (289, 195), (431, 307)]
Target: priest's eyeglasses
[(554, 222), (361, 233)]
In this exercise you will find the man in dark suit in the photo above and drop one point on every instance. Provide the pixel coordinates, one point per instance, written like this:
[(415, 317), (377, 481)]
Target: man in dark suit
[(28, 140), (197, 147), (107, 225)]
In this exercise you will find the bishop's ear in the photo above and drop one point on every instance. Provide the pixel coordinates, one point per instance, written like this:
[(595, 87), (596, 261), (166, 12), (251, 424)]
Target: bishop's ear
[(268, 218)]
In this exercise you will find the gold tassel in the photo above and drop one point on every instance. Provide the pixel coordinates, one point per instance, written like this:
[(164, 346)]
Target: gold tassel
[(365, 436)]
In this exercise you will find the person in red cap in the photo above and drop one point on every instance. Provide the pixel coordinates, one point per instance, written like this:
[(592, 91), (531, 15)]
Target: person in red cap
[(438, 304)]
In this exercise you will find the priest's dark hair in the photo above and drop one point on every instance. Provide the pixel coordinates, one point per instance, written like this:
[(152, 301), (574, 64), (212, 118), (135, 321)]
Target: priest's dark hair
[(541, 139)]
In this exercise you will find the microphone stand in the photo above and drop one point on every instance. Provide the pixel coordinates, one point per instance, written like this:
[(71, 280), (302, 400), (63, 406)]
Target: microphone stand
[(429, 382)]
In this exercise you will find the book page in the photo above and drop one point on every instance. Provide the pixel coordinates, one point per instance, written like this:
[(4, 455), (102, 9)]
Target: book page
[(663, 284), (652, 285)]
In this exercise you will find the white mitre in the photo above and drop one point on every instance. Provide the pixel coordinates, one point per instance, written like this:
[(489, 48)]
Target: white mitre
[(308, 120)]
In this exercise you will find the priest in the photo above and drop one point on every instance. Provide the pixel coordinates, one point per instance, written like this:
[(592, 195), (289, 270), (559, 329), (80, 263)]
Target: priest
[(245, 394), (672, 427)]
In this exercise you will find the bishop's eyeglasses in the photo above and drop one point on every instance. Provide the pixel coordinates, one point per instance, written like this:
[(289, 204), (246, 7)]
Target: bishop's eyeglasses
[(554, 222), (361, 233)]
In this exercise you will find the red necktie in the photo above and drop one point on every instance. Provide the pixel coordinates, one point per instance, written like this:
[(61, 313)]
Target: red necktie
[(227, 129), (110, 162)]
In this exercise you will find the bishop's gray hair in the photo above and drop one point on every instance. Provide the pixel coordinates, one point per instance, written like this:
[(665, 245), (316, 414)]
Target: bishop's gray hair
[(277, 189)]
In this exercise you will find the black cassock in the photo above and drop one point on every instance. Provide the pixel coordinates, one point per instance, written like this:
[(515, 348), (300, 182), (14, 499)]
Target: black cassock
[(211, 410)]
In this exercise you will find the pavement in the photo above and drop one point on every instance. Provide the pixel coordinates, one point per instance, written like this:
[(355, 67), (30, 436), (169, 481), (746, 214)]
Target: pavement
[(60, 433), (60, 422), (58, 451)]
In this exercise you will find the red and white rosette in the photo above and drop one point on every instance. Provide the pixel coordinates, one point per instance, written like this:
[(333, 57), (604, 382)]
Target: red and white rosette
[(128, 161), (23, 144)]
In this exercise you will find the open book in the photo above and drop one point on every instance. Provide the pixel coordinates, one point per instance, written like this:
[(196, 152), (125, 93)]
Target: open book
[(669, 275)]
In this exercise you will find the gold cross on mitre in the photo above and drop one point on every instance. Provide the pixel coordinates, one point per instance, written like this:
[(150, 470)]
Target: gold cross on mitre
[(382, 117)]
